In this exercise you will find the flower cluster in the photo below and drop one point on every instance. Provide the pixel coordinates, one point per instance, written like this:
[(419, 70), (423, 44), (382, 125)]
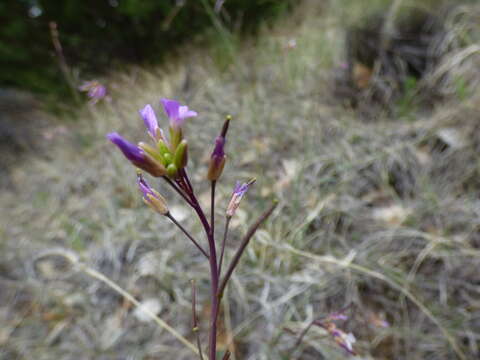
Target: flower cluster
[(165, 157)]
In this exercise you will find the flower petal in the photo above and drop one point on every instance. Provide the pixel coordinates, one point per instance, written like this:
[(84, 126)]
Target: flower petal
[(150, 120), (171, 108)]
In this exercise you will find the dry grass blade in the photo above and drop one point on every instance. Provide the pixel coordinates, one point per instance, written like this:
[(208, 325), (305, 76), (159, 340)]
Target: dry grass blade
[(360, 269)]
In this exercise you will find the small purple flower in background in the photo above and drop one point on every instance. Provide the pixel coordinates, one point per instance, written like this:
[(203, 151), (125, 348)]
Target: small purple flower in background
[(238, 193), (340, 337), (137, 156), (151, 197), (95, 91), (176, 113)]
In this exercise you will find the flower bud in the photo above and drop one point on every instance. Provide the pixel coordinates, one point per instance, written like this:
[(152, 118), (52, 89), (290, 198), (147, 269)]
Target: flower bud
[(153, 166), (180, 158), (151, 197), (157, 202), (162, 147), (138, 156), (150, 150), (175, 138), (218, 158), (238, 193), (172, 170)]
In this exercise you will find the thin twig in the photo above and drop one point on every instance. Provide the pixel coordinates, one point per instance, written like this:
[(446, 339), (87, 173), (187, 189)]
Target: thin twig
[(227, 355), (196, 330), (67, 73), (243, 245), (170, 216), (224, 241)]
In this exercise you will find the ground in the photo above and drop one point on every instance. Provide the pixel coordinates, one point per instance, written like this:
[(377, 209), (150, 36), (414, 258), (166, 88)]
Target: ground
[(377, 215)]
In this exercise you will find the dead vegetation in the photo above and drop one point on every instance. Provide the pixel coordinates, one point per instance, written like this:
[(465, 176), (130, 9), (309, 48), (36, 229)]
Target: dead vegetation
[(381, 217)]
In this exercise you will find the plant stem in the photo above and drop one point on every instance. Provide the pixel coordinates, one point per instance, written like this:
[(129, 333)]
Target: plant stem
[(178, 190), (169, 215), (224, 241), (246, 239), (212, 210), (196, 330), (214, 278)]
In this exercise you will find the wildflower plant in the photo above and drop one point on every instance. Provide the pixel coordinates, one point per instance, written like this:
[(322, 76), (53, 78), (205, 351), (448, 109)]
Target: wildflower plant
[(167, 158)]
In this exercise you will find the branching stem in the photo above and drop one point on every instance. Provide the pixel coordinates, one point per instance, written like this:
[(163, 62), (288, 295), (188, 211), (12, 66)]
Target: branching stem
[(170, 216)]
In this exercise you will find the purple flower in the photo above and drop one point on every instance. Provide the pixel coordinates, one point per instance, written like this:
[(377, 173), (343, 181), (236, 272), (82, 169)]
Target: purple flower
[(137, 156), (176, 112), (95, 90), (131, 151), (238, 193)]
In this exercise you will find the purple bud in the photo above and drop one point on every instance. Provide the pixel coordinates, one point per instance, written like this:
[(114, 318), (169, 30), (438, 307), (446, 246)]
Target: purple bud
[(151, 197), (218, 152), (131, 151), (150, 120)]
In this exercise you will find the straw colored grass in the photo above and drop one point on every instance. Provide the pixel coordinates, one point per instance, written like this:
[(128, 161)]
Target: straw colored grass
[(379, 216)]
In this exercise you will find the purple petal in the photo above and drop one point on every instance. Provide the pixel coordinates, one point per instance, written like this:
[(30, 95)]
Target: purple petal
[(176, 113), (131, 151), (184, 112), (150, 120), (171, 108), (144, 187)]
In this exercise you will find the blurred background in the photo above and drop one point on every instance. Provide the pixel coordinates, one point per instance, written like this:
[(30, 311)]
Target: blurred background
[(361, 117)]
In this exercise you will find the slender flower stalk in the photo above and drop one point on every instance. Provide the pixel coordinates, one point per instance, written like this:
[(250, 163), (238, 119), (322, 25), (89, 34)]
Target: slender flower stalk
[(168, 159), (246, 239), (224, 243)]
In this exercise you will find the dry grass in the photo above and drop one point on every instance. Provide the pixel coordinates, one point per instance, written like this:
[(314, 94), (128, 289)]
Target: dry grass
[(381, 216)]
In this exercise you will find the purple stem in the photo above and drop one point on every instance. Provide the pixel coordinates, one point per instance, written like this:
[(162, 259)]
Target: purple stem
[(246, 239), (187, 234), (178, 190), (214, 277), (224, 242)]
